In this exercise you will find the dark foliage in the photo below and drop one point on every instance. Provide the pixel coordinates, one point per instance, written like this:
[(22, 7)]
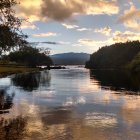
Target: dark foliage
[(117, 80), (10, 40), (11, 37), (115, 56), (29, 56)]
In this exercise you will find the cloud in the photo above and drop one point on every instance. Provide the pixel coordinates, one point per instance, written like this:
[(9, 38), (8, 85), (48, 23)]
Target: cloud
[(83, 29), (28, 25), (124, 36), (50, 43), (64, 43), (106, 31), (131, 18), (29, 9), (49, 34), (47, 42), (116, 37), (68, 26), (61, 10), (90, 42)]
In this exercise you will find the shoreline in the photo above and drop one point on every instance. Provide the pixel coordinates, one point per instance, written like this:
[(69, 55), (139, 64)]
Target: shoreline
[(6, 71)]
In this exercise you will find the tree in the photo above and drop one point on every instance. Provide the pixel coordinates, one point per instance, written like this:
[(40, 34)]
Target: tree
[(115, 56), (11, 37), (30, 57), (45, 51)]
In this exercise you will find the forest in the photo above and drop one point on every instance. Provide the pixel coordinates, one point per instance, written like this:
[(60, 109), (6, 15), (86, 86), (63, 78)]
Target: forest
[(116, 56)]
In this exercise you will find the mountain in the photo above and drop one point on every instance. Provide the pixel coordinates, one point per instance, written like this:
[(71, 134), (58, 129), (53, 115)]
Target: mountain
[(115, 56), (70, 58)]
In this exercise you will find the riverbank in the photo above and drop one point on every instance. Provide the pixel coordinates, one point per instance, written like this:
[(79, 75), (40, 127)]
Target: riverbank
[(6, 70)]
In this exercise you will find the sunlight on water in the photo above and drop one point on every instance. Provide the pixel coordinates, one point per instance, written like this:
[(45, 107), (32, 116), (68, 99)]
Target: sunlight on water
[(70, 104), (100, 120)]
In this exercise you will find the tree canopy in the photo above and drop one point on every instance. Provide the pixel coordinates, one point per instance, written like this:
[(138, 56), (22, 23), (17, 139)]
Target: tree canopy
[(11, 37), (115, 56), (29, 56)]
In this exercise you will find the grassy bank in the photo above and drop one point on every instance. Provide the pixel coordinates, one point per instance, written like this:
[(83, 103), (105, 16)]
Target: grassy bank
[(8, 70)]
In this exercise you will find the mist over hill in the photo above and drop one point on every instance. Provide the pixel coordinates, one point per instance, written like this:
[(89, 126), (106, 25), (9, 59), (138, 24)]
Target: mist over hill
[(70, 58)]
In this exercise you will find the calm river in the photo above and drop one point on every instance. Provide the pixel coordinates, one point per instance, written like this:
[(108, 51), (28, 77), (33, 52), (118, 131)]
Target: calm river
[(70, 104)]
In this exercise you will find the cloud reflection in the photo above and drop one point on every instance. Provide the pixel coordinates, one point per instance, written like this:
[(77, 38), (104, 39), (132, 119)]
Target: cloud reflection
[(73, 102), (103, 120)]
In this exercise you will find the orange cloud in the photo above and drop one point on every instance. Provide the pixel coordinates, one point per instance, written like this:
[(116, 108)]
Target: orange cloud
[(61, 10), (49, 34), (131, 18), (106, 31)]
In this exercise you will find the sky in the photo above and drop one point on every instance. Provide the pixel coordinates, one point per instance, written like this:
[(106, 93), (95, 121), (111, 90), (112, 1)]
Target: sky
[(79, 25)]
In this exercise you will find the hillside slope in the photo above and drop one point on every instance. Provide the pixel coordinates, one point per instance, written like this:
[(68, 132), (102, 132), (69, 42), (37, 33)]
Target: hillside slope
[(115, 56), (70, 58)]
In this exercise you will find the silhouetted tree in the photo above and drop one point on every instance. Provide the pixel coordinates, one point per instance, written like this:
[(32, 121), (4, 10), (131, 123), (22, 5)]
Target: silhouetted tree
[(30, 57), (11, 37)]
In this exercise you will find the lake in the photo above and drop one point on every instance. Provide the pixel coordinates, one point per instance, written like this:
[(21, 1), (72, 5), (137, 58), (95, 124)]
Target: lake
[(70, 104)]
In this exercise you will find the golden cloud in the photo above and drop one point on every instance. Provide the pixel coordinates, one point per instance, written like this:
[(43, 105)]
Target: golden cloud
[(49, 34), (90, 42), (28, 25), (61, 10), (124, 36), (29, 9), (131, 18), (106, 31), (116, 37)]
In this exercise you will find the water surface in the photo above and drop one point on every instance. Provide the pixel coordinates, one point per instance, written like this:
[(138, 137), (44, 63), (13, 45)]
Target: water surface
[(70, 104)]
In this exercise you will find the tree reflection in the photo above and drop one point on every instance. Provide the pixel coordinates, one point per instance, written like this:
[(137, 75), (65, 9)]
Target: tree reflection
[(6, 101), (45, 78), (28, 81), (12, 129), (31, 81), (116, 80)]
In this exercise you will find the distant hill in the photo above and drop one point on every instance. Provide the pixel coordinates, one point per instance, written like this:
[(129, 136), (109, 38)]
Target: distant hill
[(70, 58), (115, 56)]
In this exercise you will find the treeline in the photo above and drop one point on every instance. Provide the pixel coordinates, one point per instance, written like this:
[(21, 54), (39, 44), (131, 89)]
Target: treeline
[(28, 56), (116, 56)]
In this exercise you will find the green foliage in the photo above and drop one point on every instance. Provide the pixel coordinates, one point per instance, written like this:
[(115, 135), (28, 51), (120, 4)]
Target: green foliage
[(29, 56), (114, 56)]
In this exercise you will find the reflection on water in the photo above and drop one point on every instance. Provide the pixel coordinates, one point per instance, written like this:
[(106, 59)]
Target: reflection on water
[(12, 129), (27, 81), (100, 119), (116, 80), (6, 101), (70, 104), (31, 81)]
